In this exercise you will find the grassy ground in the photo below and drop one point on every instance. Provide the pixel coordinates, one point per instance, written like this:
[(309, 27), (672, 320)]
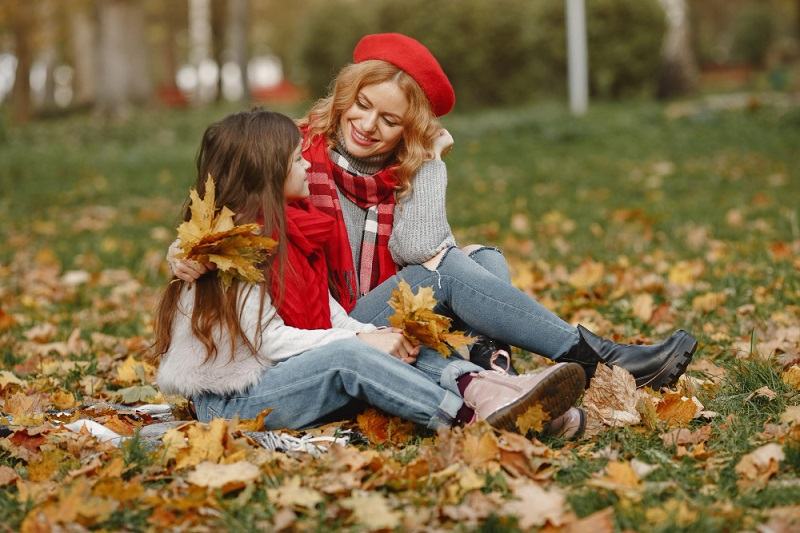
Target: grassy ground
[(625, 219)]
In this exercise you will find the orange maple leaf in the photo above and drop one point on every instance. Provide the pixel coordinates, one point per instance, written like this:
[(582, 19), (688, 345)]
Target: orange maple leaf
[(413, 313)]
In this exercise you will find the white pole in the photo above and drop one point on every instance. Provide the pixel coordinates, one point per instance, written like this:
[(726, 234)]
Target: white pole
[(577, 57)]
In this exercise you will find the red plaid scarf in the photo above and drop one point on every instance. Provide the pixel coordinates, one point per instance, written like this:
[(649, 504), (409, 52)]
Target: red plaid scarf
[(374, 193)]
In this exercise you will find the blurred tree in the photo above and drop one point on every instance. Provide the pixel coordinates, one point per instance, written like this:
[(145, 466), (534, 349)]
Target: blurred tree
[(48, 51), (200, 51), (679, 68), (236, 49), (124, 74), (21, 17), (83, 26)]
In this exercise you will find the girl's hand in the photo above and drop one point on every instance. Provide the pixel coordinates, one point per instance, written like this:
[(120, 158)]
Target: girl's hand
[(189, 270), (391, 341), (442, 144)]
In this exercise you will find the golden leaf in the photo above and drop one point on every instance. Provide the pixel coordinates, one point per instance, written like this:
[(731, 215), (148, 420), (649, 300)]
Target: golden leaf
[(413, 313), (756, 467), (254, 424), (792, 376), (533, 419), (216, 476), (676, 410), (238, 251), (372, 511), (380, 428)]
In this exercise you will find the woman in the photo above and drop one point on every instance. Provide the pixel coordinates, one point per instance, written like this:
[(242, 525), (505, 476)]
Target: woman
[(286, 344), (375, 147)]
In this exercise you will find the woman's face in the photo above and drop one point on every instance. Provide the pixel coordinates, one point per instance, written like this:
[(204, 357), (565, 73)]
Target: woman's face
[(296, 185), (373, 124)]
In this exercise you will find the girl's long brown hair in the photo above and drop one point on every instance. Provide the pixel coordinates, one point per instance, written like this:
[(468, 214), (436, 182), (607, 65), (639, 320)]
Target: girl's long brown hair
[(419, 125), (248, 154)]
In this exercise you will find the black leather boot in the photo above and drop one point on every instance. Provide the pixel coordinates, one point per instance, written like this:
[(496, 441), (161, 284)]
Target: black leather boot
[(656, 365), (492, 355)]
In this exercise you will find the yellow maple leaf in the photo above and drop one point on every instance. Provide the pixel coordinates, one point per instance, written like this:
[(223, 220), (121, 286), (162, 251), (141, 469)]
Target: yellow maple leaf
[(413, 313), (208, 236), (792, 376), (533, 419)]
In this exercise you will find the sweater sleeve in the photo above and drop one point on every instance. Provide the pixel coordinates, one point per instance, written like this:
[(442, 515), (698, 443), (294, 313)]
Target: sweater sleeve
[(420, 228), (340, 318), (279, 341)]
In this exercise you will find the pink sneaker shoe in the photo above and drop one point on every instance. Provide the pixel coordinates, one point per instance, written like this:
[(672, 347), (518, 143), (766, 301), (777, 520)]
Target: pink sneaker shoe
[(499, 398)]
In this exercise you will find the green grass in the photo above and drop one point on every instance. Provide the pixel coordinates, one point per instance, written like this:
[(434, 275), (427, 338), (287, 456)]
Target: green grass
[(624, 185)]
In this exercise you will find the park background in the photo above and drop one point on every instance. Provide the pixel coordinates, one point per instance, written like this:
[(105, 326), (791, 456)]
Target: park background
[(672, 202)]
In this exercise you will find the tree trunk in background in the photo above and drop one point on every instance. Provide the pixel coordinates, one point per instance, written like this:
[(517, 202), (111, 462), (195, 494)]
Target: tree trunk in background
[(236, 46), (200, 47), (22, 21), (679, 69), (83, 26), (124, 75), (49, 53)]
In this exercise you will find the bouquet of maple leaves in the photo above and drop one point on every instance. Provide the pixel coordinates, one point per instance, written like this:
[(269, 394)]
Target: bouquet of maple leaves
[(211, 236), (413, 313)]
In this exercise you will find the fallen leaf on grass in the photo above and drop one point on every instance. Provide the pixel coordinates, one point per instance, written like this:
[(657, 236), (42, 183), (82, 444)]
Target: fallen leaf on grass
[(792, 376), (587, 275), (673, 511), (611, 399), (134, 371), (533, 419), (216, 476), (791, 415), (535, 506), (684, 436), (7, 475), (755, 468), (380, 428), (598, 522), (643, 307), (709, 302), (413, 313), (291, 494), (676, 410), (762, 392), (619, 477), (372, 511), (253, 424)]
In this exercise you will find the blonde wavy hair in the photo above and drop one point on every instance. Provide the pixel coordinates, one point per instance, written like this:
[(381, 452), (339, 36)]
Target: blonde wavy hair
[(419, 125)]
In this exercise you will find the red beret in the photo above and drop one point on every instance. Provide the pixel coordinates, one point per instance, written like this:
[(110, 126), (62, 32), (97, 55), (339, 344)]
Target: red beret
[(414, 59)]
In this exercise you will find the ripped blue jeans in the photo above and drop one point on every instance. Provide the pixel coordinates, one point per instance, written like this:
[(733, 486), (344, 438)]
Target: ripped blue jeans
[(475, 290)]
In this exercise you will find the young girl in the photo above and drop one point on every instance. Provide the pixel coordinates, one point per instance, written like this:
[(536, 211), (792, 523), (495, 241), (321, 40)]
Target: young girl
[(286, 344)]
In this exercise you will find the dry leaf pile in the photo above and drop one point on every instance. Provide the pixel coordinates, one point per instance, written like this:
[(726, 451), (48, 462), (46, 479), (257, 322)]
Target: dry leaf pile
[(211, 236)]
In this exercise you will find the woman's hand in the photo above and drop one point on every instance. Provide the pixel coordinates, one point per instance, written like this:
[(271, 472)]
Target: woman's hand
[(442, 144), (391, 341), (186, 270)]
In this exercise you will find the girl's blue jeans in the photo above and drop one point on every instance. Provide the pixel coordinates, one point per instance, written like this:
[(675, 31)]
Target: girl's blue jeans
[(475, 290), (303, 390)]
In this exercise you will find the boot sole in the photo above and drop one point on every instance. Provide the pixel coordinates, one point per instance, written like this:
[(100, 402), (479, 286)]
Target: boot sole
[(674, 368), (556, 393)]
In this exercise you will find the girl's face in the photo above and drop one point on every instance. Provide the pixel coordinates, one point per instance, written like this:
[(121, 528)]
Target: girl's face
[(296, 185), (373, 124)]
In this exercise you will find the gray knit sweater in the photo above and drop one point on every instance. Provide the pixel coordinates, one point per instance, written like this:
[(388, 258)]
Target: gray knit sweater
[(420, 228)]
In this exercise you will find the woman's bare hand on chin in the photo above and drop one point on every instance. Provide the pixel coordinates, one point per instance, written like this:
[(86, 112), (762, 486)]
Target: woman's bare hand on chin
[(391, 341), (442, 143)]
